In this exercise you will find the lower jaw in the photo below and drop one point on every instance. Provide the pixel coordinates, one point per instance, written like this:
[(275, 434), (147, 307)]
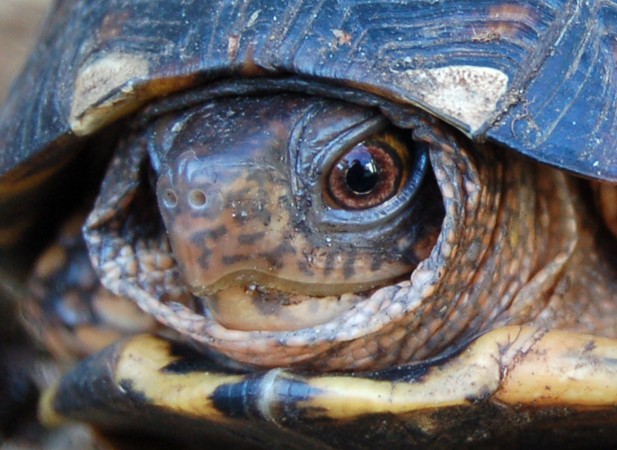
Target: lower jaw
[(350, 341), (253, 308)]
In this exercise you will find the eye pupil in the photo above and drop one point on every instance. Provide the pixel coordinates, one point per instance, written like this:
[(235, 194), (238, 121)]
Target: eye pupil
[(362, 178), (369, 174)]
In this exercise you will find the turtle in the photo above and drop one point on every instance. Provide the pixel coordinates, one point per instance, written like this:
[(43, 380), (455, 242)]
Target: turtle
[(359, 222)]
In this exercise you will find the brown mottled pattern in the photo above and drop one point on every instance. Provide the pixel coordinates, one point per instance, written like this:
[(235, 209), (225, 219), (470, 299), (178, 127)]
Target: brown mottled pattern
[(508, 248), (263, 216), (67, 310)]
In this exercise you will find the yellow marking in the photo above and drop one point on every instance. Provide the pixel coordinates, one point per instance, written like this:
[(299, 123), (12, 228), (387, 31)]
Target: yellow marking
[(113, 87), (536, 368), (97, 81), (468, 94), (562, 369), (514, 237), (510, 366), (141, 361), (470, 375), (46, 413)]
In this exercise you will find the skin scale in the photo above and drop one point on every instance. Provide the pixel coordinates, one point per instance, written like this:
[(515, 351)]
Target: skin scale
[(484, 271)]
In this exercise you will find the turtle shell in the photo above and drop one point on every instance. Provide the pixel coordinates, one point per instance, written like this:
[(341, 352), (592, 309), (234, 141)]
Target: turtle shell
[(536, 78), (520, 75)]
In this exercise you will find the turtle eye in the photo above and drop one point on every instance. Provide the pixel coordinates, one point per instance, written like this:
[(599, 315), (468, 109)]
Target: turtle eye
[(369, 174)]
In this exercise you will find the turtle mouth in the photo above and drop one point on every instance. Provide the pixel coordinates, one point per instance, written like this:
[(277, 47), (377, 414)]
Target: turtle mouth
[(258, 308), (254, 301), (266, 337)]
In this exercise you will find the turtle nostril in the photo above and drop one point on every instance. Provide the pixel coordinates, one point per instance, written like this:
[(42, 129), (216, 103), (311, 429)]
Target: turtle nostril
[(197, 198), (169, 198)]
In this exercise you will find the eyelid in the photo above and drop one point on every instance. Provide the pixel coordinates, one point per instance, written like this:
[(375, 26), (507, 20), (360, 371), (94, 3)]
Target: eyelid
[(330, 152), (367, 219)]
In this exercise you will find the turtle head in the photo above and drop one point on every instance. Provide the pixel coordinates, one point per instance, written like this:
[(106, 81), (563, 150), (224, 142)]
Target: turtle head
[(284, 211)]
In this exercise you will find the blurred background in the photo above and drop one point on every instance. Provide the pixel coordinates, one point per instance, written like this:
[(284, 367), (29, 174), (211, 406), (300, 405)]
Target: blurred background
[(19, 22)]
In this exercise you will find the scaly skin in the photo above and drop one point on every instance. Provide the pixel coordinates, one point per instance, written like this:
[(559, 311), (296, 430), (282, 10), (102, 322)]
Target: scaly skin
[(514, 248)]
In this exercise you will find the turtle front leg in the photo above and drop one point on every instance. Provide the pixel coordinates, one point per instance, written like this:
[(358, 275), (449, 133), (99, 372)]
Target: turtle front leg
[(67, 309)]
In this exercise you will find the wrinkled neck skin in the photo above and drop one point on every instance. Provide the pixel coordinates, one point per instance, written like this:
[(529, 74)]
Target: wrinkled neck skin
[(517, 245)]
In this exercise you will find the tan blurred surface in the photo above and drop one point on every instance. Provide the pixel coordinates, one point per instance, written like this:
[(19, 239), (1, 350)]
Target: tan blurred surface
[(19, 22)]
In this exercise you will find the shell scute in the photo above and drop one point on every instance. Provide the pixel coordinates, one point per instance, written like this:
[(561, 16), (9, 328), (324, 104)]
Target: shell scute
[(407, 49)]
